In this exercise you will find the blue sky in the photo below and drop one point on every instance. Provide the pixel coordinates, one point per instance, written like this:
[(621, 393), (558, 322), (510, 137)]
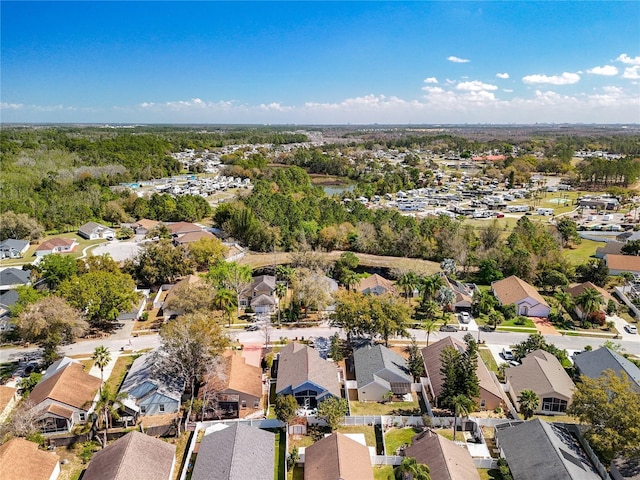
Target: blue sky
[(320, 62)]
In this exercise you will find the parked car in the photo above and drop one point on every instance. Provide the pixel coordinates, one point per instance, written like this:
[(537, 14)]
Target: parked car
[(631, 328), (251, 328), (448, 328), (464, 317), (507, 354)]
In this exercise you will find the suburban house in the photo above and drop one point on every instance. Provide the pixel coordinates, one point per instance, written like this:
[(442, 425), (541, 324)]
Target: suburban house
[(236, 388), (134, 455), (56, 245), (21, 459), (150, 390), (181, 228), (376, 285), (191, 237), (446, 460), (609, 248), (144, 226), (594, 363), (64, 397), (302, 373), (379, 371), (622, 263), (11, 248), (490, 390), (552, 451), (8, 400), (463, 293), (542, 373), (235, 452), (526, 298), (337, 456), (12, 277), (94, 231), (576, 291), (8, 298), (168, 306), (260, 295)]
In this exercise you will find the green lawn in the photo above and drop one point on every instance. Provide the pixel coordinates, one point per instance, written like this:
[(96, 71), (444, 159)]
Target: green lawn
[(486, 474), (447, 433), (517, 329), (512, 323), (281, 456), (487, 358), (296, 473), (77, 252), (581, 253), (383, 472), (368, 431), (391, 408), (120, 369), (396, 437)]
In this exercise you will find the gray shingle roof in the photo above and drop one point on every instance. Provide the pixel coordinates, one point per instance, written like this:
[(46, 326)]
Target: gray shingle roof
[(299, 363), (593, 364), (12, 243), (238, 452), (536, 450), (369, 361), (145, 369), (135, 455), (14, 276)]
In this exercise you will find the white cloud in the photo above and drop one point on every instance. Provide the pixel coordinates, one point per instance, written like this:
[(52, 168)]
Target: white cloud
[(632, 73), (457, 59), (502, 75), (432, 89), (475, 86), (11, 106), (607, 70), (507, 90), (450, 82), (564, 79), (624, 58), (431, 80)]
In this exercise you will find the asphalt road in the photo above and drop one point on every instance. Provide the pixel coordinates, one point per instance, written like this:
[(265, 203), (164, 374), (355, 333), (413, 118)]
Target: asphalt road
[(498, 339)]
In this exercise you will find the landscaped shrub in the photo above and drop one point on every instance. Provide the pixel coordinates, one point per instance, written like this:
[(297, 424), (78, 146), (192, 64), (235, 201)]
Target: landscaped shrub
[(520, 320), (598, 318)]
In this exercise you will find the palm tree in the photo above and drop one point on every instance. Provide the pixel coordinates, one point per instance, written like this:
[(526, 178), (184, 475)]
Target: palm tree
[(429, 327), (589, 302), (529, 403), (565, 299), (351, 279), (281, 292), (108, 404), (429, 286), (410, 469), (462, 406), (101, 358), (225, 300), (408, 283)]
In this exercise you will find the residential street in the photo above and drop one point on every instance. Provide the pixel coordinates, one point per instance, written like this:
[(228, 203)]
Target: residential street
[(630, 343)]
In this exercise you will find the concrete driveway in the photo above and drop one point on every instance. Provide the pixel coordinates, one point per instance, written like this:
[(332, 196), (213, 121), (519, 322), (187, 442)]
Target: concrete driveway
[(620, 324)]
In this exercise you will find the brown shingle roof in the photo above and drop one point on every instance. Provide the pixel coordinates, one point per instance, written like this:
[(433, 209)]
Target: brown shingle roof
[(55, 242), (134, 456), (513, 289), (578, 289), (6, 394), (193, 237), (541, 372), (433, 364), (236, 375), (70, 385), (446, 460), (625, 263), (375, 280), (337, 457), (21, 460), (146, 223), (179, 228), (180, 284), (59, 410)]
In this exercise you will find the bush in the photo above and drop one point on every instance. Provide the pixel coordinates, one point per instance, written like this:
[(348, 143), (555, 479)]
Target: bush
[(144, 317), (498, 410), (598, 318), (520, 320), (612, 308)]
